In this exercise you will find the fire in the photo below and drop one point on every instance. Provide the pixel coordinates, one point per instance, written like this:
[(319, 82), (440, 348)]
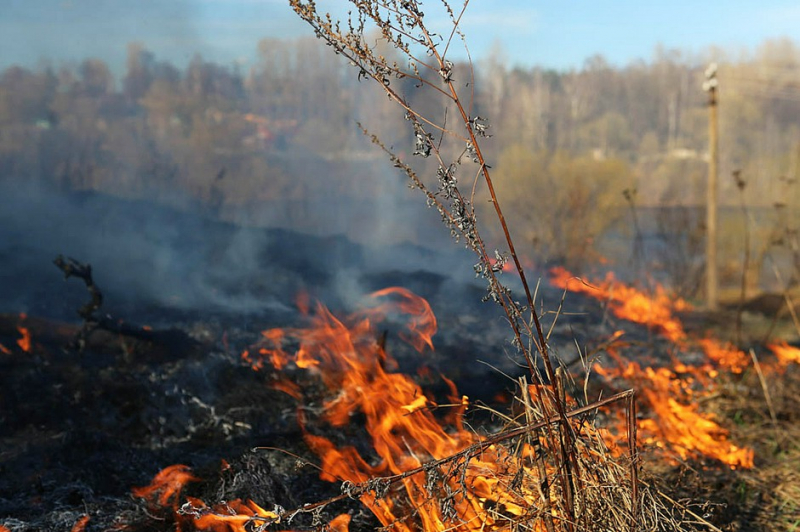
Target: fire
[(785, 353), (340, 523), (80, 524), (416, 484), (24, 342), (422, 322), (674, 421), (234, 516), (404, 432), (413, 481), (656, 311), (166, 486), (724, 355), (629, 303)]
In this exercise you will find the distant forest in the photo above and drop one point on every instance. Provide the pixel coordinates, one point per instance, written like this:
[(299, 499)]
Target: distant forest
[(283, 134)]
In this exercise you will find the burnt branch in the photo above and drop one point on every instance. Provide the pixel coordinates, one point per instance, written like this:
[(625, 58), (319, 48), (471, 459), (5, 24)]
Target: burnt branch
[(171, 339), (73, 268)]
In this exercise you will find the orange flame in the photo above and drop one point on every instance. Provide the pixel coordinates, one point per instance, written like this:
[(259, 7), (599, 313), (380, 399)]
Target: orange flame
[(80, 524), (674, 421), (24, 342), (422, 322), (725, 355), (235, 516), (674, 417), (166, 486), (405, 433), (629, 303), (785, 353), (340, 523), (238, 516)]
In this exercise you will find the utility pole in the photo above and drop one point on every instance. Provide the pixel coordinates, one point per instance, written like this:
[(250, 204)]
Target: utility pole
[(710, 86)]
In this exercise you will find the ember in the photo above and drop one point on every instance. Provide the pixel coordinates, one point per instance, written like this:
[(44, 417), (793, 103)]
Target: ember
[(80, 524)]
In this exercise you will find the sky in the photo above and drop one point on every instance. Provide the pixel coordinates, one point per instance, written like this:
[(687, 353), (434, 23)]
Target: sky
[(558, 34)]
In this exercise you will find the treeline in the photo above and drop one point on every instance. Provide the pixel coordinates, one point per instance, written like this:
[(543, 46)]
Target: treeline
[(282, 133)]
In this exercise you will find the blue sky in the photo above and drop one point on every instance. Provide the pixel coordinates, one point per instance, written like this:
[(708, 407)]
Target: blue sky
[(552, 33)]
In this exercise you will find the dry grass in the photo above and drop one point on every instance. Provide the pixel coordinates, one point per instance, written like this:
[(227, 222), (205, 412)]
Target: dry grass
[(769, 493), (608, 495)]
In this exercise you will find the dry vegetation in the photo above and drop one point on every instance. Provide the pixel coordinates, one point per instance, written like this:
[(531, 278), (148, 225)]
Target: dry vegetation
[(564, 477), (552, 186), (580, 485)]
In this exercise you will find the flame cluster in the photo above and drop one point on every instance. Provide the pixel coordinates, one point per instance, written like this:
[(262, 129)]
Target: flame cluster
[(476, 491), (165, 489), (670, 394), (399, 419), (785, 353), (657, 310)]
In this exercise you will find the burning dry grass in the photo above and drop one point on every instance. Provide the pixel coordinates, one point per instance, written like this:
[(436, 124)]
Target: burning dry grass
[(669, 393), (426, 471), (549, 468), (695, 412), (765, 497)]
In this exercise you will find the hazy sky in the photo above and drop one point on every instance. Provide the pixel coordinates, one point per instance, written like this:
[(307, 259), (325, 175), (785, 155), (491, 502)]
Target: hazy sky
[(552, 33)]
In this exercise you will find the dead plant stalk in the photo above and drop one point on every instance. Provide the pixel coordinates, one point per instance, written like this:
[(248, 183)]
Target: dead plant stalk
[(402, 25)]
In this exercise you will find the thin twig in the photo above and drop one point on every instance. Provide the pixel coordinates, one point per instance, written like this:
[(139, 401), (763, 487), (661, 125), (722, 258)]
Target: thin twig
[(764, 387)]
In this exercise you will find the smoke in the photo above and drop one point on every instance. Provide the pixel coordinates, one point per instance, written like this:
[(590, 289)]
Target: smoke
[(149, 257), (266, 222), (141, 254)]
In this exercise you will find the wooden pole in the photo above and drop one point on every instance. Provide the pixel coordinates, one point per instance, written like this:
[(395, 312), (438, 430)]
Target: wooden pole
[(712, 283)]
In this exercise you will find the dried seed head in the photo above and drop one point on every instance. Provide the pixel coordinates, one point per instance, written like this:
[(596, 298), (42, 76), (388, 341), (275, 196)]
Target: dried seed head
[(472, 152), (423, 142), (480, 125), (446, 71)]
